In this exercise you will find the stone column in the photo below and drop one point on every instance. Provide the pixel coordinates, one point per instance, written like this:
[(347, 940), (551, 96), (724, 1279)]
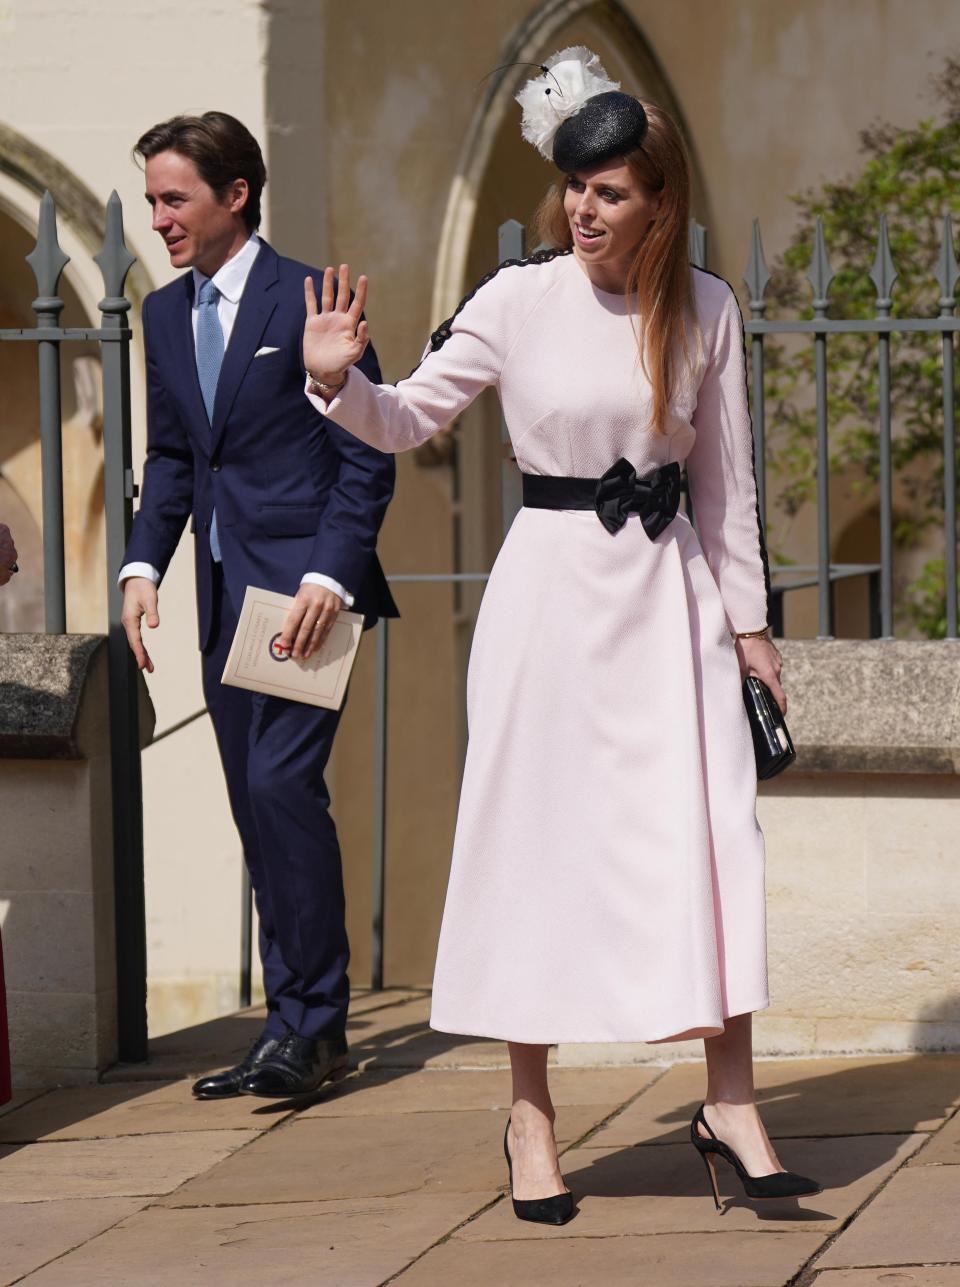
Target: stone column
[(56, 856), (863, 895)]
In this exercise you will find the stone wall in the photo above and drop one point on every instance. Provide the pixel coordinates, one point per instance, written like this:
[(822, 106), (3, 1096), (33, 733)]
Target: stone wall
[(56, 856), (80, 83), (375, 132), (863, 900), (862, 841)]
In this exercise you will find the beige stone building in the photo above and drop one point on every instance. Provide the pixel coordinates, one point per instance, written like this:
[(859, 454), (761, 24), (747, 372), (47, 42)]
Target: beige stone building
[(390, 147)]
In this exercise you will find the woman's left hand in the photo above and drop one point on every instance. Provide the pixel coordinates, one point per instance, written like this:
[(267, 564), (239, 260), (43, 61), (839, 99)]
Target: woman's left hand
[(760, 657)]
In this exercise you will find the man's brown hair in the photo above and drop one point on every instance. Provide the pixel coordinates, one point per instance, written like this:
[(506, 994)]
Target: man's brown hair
[(222, 149)]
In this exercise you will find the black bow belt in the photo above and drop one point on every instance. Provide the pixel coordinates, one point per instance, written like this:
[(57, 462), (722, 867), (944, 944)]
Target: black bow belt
[(655, 497)]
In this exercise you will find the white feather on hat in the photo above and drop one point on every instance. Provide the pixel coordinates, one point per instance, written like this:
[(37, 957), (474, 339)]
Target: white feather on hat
[(574, 75)]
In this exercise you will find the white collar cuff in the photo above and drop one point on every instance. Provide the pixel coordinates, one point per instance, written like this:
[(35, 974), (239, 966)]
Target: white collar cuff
[(231, 278)]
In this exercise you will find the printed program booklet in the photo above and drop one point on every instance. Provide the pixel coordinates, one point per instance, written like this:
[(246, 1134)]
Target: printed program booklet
[(258, 660)]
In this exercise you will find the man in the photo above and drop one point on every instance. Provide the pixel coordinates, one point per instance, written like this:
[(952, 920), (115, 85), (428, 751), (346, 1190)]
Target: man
[(281, 498)]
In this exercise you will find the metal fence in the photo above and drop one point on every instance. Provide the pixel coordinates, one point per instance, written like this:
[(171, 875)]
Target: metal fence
[(883, 274), (115, 261), (787, 578), (113, 335)]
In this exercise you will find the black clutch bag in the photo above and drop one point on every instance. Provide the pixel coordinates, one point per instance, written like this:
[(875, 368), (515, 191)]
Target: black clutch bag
[(771, 740)]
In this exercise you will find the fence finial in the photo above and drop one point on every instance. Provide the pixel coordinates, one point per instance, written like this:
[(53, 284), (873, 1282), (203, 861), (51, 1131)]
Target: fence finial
[(883, 273), (47, 260), (820, 274), (114, 259), (757, 275), (947, 272)]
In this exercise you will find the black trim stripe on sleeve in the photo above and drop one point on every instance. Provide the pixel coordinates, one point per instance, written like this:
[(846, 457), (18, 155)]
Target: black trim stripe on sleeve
[(764, 559), (445, 329)]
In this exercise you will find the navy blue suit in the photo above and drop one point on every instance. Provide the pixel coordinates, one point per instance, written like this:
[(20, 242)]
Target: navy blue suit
[(293, 494)]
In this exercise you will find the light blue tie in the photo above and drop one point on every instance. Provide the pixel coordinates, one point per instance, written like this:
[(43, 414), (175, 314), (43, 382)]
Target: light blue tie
[(209, 362)]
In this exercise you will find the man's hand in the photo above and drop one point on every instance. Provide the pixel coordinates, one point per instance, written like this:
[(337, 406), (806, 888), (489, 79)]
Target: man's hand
[(759, 657), (8, 554), (309, 620), (139, 600)]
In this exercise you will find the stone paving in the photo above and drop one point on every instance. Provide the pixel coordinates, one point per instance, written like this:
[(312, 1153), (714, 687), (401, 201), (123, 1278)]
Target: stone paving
[(396, 1175)]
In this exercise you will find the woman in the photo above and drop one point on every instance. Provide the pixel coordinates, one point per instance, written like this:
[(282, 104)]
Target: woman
[(607, 877)]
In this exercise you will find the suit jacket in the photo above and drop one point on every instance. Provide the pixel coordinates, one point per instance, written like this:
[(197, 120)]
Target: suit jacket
[(293, 492)]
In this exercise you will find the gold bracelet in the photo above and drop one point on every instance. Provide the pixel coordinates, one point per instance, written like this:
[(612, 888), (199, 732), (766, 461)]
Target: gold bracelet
[(324, 388), (753, 634)]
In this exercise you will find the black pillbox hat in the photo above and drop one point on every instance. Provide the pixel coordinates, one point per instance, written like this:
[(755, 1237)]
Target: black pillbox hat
[(608, 125)]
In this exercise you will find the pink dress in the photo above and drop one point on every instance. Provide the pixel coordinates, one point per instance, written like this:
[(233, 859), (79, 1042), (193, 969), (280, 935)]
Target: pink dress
[(607, 877)]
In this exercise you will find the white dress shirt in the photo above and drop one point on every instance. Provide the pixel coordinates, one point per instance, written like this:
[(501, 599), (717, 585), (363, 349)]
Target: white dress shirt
[(230, 281)]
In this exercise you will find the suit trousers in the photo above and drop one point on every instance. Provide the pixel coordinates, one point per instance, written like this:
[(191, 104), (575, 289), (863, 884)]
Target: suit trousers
[(274, 754)]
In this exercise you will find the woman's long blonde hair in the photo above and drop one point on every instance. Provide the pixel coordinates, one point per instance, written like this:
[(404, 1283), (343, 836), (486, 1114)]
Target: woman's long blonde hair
[(659, 279)]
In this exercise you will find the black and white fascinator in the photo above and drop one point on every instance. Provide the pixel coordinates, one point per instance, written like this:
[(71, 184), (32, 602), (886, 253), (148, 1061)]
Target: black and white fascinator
[(575, 115)]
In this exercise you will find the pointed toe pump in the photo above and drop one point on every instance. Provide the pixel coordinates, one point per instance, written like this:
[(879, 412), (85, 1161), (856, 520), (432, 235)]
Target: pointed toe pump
[(557, 1209), (780, 1184)]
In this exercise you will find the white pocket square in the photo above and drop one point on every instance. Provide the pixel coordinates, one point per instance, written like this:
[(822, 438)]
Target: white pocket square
[(265, 350)]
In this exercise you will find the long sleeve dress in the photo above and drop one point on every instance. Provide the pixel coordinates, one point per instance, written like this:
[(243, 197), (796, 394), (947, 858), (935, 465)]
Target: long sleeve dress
[(607, 875)]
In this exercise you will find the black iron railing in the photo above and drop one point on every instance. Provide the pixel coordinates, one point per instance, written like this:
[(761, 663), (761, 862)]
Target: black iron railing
[(48, 262), (113, 335)]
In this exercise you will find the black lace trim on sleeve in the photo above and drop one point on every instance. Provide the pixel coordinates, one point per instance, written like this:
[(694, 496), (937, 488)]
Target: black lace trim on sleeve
[(764, 558), (445, 329)]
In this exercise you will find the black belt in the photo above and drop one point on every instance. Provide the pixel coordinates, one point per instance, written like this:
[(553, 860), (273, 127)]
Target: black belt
[(655, 497)]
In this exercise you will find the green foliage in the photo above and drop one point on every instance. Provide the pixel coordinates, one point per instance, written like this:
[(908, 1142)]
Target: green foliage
[(912, 176), (926, 603)]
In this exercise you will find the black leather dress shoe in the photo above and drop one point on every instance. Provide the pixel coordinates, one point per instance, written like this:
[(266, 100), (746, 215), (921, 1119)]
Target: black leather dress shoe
[(224, 1085), (296, 1067)]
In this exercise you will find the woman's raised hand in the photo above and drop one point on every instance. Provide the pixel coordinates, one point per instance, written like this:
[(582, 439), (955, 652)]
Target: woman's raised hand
[(334, 336)]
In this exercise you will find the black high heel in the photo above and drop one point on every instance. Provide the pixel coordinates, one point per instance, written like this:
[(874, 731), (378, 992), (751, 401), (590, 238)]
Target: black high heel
[(780, 1184), (557, 1209)]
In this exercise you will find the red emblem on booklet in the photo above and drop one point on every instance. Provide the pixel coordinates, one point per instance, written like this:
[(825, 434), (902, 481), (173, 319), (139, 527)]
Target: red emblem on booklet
[(259, 641), (279, 651)]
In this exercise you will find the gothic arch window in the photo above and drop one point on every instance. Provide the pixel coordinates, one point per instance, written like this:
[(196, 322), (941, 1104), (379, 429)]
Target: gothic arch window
[(26, 171), (500, 177)]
